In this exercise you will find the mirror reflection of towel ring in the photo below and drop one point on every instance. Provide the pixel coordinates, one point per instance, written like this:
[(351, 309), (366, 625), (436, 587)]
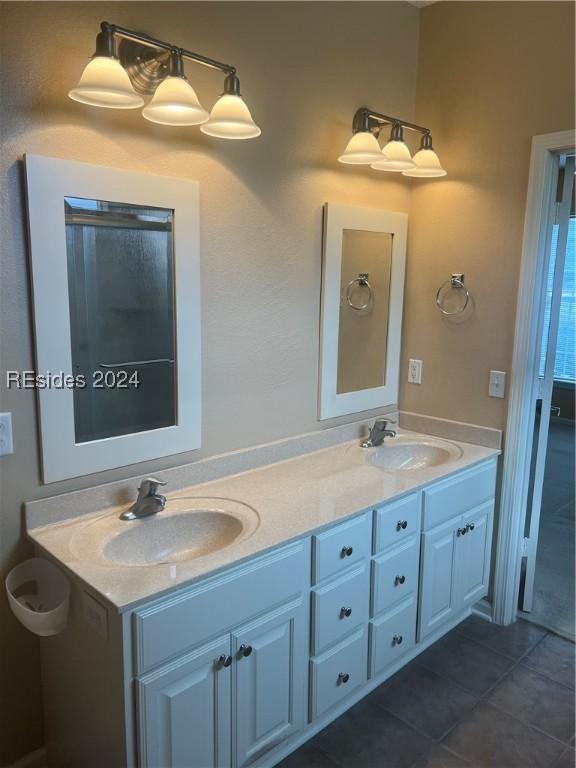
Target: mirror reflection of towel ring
[(456, 281), (361, 280)]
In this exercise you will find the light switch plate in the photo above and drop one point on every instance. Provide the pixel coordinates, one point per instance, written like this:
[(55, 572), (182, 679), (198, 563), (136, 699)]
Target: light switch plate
[(6, 443), (414, 371), (497, 384)]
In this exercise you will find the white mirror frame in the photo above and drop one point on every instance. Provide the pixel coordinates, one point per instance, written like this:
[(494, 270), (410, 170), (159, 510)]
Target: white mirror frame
[(337, 218), (48, 182)]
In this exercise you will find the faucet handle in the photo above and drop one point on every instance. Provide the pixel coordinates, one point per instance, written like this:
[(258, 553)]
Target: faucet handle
[(149, 486), (383, 422)]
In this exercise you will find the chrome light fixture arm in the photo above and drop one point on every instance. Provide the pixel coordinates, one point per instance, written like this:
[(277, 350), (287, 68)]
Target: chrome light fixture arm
[(109, 31), (366, 119), (363, 147)]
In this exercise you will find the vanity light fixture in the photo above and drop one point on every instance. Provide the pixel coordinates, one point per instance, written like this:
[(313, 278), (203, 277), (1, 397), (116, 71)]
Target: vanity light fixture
[(148, 66), (363, 147)]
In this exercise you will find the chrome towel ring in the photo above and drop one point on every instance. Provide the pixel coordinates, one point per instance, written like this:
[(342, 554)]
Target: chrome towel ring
[(361, 280), (455, 281)]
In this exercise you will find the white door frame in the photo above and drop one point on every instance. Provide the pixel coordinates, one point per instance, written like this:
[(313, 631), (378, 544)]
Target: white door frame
[(520, 422)]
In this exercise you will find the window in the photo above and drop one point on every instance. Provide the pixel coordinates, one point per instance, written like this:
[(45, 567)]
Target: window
[(565, 363)]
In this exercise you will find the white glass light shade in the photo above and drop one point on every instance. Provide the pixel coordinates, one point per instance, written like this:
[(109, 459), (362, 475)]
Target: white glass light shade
[(175, 103), (105, 83), (395, 157), (231, 119), (362, 149), (426, 165)]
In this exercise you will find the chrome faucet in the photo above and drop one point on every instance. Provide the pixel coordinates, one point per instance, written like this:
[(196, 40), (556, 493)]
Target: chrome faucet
[(149, 502), (378, 432)]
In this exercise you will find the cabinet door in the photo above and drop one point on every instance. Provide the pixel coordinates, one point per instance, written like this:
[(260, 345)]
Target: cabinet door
[(184, 711), (438, 600), (269, 703), (473, 554)]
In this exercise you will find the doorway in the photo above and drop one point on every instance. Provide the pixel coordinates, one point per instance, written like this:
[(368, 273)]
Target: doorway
[(547, 583), (535, 555)]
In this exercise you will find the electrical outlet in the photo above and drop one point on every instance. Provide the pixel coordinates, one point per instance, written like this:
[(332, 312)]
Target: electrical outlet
[(497, 384), (95, 615), (415, 372), (6, 444)]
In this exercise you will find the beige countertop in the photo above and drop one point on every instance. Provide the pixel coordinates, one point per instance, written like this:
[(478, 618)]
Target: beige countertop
[(292, 498)]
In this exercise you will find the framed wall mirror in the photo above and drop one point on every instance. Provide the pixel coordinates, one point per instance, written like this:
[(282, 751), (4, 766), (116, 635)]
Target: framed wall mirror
[(116, 284), (364, 259)]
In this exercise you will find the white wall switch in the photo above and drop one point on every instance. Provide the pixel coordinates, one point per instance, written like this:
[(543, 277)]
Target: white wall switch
[(414, 371), (6, 444), (497, 385)]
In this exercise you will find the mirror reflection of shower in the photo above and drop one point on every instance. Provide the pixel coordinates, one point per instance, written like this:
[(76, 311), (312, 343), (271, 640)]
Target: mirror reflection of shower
[(121, 298)]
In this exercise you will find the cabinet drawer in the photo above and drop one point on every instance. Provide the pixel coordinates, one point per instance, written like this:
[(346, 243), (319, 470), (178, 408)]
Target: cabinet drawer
[(395, 575), (340, 547), (167, 627), (338, 673), (340, 607), (396, 521), (458, 494), (392, 635)]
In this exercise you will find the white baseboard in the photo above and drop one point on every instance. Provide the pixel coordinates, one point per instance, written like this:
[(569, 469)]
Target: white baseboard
[(483, 609), (37, 759)]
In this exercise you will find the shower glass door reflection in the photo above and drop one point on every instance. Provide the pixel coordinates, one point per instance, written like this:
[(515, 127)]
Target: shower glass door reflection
[(121, 297)]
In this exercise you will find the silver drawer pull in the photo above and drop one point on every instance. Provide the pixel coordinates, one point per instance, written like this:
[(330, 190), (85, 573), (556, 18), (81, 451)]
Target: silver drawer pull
[(343, 677), (401, 525), (225, 660), (397, 640), (399, 580), (345, 613)]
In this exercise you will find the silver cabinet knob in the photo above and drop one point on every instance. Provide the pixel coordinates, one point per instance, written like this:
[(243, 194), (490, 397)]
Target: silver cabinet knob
[(399, 580), (225, 660), (461, 531), (401, 525), (469, 526), (346, 551), (245, 650), (343, 677), (397, 640), (345, 613)]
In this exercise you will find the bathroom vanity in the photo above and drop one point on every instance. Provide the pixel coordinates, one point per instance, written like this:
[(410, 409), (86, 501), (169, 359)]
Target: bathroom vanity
[(349, 569)]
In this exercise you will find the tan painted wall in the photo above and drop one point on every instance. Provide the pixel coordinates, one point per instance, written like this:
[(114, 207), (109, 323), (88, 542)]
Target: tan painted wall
[(490, 76), (304, 68)]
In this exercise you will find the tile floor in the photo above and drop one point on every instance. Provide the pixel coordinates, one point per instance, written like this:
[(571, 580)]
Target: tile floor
[(483, 697), (554, 580)]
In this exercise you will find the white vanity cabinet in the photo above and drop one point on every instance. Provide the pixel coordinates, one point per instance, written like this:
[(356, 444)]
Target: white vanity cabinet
[(236, 696), (340, 603), (195, 689), (240, 669), (394, 593), (456, 544), (243, 666)]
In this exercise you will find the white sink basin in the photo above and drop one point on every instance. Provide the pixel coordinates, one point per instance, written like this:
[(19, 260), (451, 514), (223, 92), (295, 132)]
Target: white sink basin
[(188, 528), (408, 453)]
